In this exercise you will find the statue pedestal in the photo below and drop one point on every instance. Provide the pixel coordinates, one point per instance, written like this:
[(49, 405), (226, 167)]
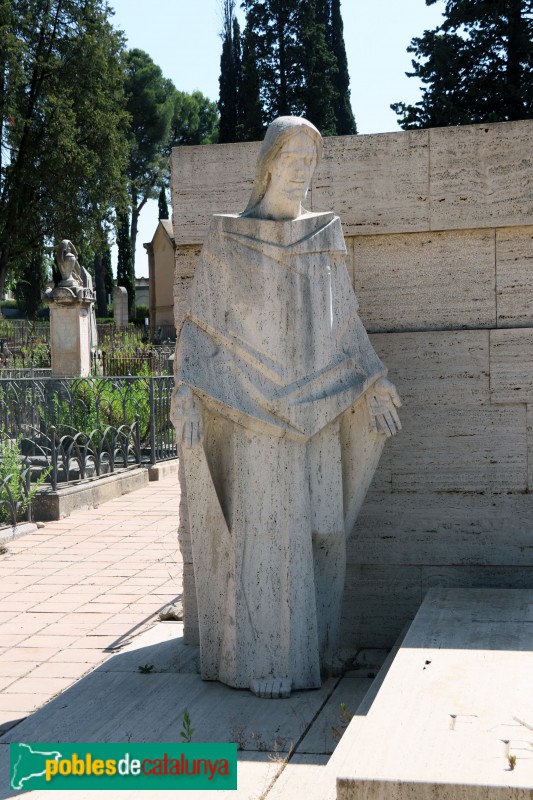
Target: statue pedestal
[(70, 335)]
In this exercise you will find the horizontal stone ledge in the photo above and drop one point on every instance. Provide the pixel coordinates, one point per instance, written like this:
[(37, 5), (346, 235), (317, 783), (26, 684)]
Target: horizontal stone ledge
[(52, 505), (10, 532)]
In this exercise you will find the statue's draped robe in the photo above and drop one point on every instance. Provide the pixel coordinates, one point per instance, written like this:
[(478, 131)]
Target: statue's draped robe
[(274, 349)]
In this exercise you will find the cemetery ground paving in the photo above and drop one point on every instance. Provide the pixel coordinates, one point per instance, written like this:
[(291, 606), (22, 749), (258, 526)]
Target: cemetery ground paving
[(74, 592)]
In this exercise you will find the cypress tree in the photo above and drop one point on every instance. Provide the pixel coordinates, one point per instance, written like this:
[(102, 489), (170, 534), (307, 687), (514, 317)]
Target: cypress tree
[(251, 124), (162, 204), (108, 273), (276, 25), (296, 48), (125, 267), (99, 285), (341, 79), (230, 68), (320, 67)]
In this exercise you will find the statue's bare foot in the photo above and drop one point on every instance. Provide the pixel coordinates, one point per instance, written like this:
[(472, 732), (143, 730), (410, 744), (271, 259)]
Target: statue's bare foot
[(271, 687)]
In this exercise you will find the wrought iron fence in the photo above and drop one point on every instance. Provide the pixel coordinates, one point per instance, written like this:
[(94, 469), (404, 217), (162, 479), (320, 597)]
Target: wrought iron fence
[(164, 333), (116, 363), (157, 360), (31, 358), (23, 333), (81, 428)]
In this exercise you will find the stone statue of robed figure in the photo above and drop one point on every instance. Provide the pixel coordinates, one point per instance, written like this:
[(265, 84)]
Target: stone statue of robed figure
[(73, 331), (282, 408)]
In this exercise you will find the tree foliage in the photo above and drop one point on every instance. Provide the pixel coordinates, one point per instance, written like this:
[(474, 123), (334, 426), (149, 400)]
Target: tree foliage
[(230, 75), (32, 274), (161, 117), (103, 280), (162, 204), (109, 280), (250, 126), (150, 103), (194, 121), (125, 263), (319, 67), (292, 61), (341, 78), (477, 66), (62, 124), (278, 32)]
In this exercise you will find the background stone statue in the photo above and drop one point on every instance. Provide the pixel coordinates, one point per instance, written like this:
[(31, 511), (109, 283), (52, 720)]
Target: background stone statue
[(78, 283), (282, 407)]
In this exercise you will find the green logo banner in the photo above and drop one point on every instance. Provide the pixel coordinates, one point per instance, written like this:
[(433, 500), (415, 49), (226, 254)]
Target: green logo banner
[(165, 765)]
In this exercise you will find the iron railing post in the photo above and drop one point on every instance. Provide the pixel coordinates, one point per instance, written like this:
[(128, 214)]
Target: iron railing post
[(138, 437), (153, 458), (54, 456), (28, 489)]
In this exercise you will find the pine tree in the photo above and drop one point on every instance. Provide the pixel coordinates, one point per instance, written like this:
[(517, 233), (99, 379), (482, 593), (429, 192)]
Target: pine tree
[(150, 102), (162, 204), (161, 117), (477, 66), (125, 267)]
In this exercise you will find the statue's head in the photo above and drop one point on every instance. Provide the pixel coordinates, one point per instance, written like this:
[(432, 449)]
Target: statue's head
[(291, 149)]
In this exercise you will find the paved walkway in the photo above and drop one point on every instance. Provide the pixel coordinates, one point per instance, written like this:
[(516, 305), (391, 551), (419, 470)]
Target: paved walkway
[(77, 590), (78, 605)]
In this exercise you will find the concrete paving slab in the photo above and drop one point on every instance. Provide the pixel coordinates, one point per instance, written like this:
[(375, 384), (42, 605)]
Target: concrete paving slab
[(455, 705), (299, 777), (256, 772), (331, 723), (149, 707), (161, 647)]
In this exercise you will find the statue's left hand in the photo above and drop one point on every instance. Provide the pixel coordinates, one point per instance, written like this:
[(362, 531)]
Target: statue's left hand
[(382, 400), (186, 415)]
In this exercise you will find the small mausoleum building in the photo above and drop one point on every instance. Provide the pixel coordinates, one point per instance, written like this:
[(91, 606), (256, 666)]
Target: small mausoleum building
[(161, 276)]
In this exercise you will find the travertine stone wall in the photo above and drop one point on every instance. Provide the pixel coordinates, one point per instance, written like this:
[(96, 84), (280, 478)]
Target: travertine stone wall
[(426, 281), (439, 230)]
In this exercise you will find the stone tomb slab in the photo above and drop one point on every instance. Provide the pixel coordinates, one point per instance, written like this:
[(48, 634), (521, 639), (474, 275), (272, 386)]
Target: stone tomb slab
[(454, 717)]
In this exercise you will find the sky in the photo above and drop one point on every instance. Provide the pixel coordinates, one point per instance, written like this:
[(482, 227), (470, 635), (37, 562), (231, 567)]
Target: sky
[(183, 38)]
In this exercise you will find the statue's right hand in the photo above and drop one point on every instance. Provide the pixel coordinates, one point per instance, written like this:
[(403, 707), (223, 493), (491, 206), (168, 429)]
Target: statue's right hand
[(186, 415)]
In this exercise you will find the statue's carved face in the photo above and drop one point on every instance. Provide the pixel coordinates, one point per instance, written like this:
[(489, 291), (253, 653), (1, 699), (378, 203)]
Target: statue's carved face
[(292, 169)]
